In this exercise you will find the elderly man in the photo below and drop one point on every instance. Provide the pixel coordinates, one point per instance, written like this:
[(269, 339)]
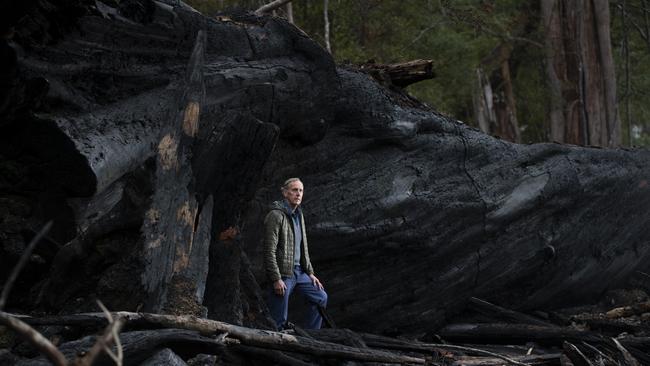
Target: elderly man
[(286, 258)]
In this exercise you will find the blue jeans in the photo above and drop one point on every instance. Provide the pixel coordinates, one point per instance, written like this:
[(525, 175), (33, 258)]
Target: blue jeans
[(300, 281)]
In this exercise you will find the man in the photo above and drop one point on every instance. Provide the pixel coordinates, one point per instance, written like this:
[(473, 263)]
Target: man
[(286, 258)]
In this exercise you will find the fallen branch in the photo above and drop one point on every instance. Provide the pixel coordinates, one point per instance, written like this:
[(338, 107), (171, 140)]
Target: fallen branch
[(373, 340), (270, 6), (29, 334), (105, 342), (401, 74), (515, 334), (247, 336), (599, 352), (272, 355), (625, 311), (532, 360), (629, 359), (490, 309), (575, 355)]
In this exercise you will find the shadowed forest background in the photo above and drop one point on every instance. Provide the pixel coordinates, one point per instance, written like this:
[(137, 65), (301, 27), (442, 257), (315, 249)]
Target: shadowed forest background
[(467, 40)]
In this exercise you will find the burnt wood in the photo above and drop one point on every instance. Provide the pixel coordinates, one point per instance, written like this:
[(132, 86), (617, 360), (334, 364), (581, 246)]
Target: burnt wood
[(409, 212)]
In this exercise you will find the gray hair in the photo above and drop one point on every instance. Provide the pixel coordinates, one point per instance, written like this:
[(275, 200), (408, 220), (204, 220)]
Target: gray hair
[(286, 183)]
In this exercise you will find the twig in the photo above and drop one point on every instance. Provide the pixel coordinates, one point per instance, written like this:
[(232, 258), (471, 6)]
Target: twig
[(118, 345), (21, 263), (105, 341), (270, 6), (629, 359), (422, 32), (575, 355), (643, 274), (35, 338), (604, 356)]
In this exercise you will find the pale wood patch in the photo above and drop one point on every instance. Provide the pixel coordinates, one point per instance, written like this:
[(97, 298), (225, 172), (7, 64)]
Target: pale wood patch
[(191, 119), (168, 152)]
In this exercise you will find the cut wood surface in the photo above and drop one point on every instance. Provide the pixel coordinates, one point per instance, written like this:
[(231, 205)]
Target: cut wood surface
[(624, 311), (401, 74)]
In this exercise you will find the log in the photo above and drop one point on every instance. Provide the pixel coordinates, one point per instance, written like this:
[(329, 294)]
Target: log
[(554, 336), (515, 334), (343, 335), (251, 98), (247, 336), (453, 212), (537, 360), (503, 313), (614, 327), (164, 357), (33, 337), (401, 74), (140, 345), (449, 211), (270, 355), (625, 311)]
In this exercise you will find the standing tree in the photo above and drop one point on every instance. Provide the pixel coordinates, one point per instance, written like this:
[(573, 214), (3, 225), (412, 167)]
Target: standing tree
[(580, 72)]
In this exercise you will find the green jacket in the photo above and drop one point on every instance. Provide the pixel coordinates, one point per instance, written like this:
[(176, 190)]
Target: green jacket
[(279, 244)]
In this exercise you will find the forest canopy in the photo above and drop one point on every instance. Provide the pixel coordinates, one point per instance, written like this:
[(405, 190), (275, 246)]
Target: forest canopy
[(462, 37)]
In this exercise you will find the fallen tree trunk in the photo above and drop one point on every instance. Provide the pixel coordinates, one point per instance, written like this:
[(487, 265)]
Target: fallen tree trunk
[(409, 213)]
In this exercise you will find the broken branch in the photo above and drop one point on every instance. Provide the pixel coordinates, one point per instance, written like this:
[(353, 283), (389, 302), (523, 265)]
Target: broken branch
[(42, 344)]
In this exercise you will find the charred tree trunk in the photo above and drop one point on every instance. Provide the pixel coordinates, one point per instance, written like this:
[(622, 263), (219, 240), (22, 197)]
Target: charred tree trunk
[(158, 146), (580, 72), (409, 213), (451, 213)]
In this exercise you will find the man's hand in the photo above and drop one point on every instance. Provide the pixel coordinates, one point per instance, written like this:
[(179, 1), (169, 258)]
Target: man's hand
[(316, 282), (279, 287)]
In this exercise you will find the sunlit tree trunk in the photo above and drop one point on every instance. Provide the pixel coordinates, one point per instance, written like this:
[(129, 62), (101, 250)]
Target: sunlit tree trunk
[(580, 72), (494, 100), (289, 9), (483, 102), (327, 26), (507, 107)]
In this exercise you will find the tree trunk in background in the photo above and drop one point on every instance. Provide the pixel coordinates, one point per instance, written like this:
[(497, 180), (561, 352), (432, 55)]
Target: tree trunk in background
[(580, 72), (327, 26), (494, 102), (289, 9), (507, 111), (483, 103)]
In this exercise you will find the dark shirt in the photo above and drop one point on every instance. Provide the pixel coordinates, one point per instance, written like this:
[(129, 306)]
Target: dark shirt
[(297, 232)]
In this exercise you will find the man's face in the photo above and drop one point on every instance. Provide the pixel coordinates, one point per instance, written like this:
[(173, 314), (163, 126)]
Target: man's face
[(293, 193)]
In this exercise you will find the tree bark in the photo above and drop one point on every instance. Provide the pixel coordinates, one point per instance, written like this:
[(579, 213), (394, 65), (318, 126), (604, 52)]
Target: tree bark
[(580, 71), (326, 20), (409, 213)]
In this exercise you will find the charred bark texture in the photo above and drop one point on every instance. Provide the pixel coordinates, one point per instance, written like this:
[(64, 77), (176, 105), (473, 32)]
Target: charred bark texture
[(424, 212), (409, 213), (157, 147)]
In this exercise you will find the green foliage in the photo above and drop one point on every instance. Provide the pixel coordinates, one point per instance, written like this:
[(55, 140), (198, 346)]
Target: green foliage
[(460, 36)]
